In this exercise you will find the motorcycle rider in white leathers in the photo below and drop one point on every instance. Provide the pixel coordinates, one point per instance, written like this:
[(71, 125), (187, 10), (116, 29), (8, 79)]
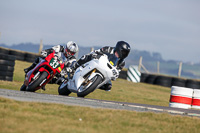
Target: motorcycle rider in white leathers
[(66, 53), (121, 51)]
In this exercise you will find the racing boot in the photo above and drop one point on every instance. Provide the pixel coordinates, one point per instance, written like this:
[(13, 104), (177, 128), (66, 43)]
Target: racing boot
[(43, 88), (106, 87), (26, 70)]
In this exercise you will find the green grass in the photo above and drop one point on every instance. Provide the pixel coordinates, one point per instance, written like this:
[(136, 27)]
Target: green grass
[(33, 117)]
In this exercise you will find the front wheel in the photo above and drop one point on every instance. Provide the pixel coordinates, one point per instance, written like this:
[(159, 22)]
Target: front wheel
[(32, 86), (63, 90), (90, 86), (23, 87)]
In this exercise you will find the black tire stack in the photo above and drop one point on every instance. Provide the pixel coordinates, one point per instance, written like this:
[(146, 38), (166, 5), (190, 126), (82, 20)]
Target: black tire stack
[(19, 55), (30, 57), (151, 79), (168, 81), (178, 82), (4, 50), (7, 63), (163, 81), (123, 74), (192, 84), (143, 77)]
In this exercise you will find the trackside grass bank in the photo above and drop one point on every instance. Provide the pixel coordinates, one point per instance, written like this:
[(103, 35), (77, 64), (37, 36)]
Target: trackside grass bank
[(30, 117)]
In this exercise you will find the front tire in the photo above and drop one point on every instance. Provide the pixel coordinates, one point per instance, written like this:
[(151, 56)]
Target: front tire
[(91, 88), (63, 90), (23, 87), (31, 87)]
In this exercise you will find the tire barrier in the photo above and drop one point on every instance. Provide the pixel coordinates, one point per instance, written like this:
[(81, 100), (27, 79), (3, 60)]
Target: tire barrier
[(151, 79), (178, 82), (19, 55), (7, 63), (31, 57), (192, 84), (4, 50), (143, 77), (181, 97), (163, 81), (123, 74), (196, 99), (168, 81), (133, 74)]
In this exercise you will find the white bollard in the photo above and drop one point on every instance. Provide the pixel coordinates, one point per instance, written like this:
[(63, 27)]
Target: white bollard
[(133, 74)]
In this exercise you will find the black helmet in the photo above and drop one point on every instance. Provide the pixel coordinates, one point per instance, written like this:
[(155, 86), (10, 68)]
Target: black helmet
[(123, 49)]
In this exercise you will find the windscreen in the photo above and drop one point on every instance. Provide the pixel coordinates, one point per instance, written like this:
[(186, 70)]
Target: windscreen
[(112, 59)]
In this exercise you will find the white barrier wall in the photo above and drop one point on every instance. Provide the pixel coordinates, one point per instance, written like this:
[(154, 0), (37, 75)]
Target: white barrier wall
[(133, 74), (196, 99), (181, 97)]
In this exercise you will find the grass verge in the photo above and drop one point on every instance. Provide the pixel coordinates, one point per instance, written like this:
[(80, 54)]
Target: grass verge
[(32, 117)]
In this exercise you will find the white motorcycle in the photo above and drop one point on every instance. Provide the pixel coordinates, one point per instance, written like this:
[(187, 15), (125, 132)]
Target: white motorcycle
[(91, 75)]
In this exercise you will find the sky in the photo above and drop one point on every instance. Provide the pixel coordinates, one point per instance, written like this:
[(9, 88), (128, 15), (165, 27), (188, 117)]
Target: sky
[(169, 27)]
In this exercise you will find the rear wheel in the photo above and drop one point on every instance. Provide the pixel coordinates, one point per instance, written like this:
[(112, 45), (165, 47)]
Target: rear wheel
[(89, 87), (32, 86)]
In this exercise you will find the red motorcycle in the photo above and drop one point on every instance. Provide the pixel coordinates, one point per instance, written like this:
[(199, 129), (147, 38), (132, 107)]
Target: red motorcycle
[(42, 73)]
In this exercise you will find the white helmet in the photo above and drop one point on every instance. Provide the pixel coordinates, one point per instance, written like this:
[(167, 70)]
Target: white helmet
[(70, 49)]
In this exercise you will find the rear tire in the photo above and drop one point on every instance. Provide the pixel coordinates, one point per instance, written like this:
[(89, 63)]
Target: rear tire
[(91, 88), (63, 90), (36, 83)]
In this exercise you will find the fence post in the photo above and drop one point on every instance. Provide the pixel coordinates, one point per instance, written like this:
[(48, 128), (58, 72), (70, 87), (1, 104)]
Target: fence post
[(158, 67), (41, 46), (140, 64), (180, 69)]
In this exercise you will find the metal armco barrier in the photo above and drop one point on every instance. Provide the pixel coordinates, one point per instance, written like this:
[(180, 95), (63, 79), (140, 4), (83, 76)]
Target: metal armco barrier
[(133, 74)]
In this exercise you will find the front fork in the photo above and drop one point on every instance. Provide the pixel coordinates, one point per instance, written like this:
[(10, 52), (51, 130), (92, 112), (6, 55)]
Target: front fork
[(89, 77)]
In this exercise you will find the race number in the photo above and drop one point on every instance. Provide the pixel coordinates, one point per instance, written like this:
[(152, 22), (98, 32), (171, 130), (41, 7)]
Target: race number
[(54, 63)]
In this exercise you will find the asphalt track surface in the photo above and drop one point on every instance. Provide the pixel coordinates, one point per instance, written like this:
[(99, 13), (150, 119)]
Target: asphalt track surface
[(94, 103)]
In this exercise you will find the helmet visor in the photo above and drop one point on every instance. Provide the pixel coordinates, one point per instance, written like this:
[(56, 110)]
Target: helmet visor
[(69, 52), (124, 53)]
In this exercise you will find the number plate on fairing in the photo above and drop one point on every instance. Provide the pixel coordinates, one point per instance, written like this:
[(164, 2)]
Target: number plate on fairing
[(54, 63)]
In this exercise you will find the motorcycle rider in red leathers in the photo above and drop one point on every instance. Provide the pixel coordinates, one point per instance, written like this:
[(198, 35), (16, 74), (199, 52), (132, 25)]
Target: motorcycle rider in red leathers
[(121, 51), (66, 53)]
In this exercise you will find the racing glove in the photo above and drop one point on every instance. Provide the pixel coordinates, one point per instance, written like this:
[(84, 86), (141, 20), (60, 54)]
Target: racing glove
[(44, 53)]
